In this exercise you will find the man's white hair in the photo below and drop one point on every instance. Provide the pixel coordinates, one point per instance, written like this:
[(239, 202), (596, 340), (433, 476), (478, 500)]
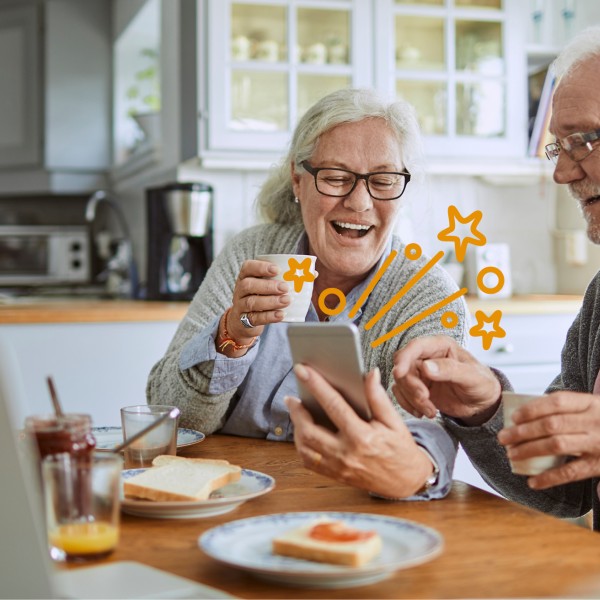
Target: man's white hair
[(584, 45)]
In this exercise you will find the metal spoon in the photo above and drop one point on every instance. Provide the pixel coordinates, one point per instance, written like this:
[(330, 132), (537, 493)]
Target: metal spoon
[(172, 414)]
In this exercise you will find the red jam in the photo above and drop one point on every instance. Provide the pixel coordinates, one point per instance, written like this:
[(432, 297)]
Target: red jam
[(336, 531), (71, 433)]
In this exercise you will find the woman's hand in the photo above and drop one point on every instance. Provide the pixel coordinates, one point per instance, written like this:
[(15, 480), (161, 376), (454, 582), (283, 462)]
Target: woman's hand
[(562, 423), (262, 299), (434, 372), (380, 455)]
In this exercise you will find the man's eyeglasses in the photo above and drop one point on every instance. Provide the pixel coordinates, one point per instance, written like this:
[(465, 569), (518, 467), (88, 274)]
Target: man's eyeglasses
[(341, 182), (577, 146)]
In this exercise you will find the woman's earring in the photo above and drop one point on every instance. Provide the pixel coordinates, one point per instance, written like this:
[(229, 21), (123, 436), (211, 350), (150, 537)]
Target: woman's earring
[(296, 200)]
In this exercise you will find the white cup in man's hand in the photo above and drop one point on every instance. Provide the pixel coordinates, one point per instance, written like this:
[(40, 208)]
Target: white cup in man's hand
[(298, 271), (536, 464)]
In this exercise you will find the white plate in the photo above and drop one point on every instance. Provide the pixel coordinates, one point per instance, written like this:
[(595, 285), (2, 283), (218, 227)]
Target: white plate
[(246, 544), (109, 437), (225, 499)]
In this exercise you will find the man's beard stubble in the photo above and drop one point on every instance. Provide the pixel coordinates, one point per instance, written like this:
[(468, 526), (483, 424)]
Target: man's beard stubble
[(591, 213)]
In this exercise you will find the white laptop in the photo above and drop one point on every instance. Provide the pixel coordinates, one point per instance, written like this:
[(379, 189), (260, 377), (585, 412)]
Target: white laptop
[(26, 569)]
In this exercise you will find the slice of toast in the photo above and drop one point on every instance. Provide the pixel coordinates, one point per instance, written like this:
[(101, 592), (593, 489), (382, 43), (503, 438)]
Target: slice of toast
[(174, 478), (298, 543)]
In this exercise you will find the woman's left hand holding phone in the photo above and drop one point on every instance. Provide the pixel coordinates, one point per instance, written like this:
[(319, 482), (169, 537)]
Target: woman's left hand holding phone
[(257, 298), (380, 456)]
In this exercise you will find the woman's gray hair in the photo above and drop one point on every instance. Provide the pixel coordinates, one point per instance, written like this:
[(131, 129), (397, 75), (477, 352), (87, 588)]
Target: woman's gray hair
[(275, 199), (586, 44)]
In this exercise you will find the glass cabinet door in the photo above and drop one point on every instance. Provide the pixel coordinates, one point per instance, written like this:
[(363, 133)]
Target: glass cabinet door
[(273, 60), (450, 61)]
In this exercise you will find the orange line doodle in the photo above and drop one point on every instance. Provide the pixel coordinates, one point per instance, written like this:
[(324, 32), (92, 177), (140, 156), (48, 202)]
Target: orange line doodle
[(407, 286), (417, 318), (372, 283)]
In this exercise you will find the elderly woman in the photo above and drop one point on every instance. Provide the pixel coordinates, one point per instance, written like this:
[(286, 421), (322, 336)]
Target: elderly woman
[(336, 195)]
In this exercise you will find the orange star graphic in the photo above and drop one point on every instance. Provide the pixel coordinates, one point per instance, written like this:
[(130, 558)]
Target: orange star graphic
[(299, 273), (480, 331), (460, 245)]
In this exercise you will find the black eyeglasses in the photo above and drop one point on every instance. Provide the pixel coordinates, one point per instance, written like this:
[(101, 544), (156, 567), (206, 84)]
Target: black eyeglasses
[(341, 182), (577, 146)]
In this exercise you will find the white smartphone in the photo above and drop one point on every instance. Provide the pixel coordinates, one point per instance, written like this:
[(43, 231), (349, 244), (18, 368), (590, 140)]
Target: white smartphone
[(334, 350)]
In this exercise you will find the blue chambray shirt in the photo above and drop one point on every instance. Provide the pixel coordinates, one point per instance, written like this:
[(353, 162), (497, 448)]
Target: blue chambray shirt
[(264, 377)]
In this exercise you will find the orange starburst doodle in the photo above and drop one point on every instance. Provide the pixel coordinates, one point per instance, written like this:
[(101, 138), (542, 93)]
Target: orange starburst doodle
[(486, 335), (299, 273), (460, 244)]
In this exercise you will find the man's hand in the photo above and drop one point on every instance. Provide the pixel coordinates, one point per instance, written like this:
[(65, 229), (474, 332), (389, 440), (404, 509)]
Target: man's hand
[(432, 373), (564, 424)]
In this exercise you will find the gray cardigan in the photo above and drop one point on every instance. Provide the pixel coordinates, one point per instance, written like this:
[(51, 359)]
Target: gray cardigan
[(187, 388), (580, 363)]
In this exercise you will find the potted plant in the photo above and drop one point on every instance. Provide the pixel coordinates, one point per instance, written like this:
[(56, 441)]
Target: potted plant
[(144, 95)]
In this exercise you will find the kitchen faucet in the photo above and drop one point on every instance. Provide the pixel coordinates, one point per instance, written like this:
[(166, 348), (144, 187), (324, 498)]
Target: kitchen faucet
[(121, 271)]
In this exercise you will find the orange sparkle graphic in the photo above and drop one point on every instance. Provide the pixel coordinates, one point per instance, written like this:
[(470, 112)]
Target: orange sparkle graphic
[(299, 273), (460, 244), (480, 330), (449, 319), (413, 251)]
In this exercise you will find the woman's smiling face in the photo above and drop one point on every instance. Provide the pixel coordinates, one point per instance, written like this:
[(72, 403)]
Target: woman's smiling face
[(349, 234)]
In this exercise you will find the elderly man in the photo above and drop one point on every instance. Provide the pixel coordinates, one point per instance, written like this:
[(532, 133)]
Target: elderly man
[(436, 374)]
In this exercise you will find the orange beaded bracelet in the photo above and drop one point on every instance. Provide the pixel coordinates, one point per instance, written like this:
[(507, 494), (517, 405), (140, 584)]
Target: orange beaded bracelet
[(227, 341)]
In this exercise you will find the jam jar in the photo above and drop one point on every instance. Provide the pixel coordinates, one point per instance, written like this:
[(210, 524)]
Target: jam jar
[(70, 433)]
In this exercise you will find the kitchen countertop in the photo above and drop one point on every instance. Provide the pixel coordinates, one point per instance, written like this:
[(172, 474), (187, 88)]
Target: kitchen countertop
[(80, 310)]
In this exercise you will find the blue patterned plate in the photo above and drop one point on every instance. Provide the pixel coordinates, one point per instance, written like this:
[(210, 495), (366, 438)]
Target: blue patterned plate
[(251, 485), (109, 437), (246, 544)]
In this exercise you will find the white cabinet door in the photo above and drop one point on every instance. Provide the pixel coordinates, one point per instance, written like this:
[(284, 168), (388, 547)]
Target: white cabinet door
[(460, 64), (97, 367), (529, 355), (20, 108), (269, 60)]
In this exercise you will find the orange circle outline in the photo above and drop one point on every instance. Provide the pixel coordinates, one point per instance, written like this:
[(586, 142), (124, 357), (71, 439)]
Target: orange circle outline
[(497, 272), (339, 308), (451, 318), (413, 247)]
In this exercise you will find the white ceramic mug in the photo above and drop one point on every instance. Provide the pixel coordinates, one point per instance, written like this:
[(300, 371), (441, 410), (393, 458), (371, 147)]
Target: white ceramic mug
[(295, 270), (536, 464)]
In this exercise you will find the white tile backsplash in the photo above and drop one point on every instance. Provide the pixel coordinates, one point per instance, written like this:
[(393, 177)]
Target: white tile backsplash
[(523, 216)]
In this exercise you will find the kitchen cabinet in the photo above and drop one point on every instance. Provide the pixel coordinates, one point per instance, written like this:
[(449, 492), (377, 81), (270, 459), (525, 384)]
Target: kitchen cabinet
[(19, 100), (552, 23), (55, 103), (97, 367), (529, 355), (459, 62), (269, 60)]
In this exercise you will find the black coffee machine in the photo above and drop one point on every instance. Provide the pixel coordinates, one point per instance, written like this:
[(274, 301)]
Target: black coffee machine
[(179, 239)]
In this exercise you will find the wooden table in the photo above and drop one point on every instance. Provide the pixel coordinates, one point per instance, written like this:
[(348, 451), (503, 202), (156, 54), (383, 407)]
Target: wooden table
[(493, 548)]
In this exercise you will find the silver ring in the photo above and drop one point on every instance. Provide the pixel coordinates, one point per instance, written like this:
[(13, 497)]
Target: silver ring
[(245, 321)]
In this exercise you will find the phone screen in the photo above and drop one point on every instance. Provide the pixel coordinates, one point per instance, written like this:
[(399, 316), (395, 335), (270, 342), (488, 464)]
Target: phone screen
[(334, 351)]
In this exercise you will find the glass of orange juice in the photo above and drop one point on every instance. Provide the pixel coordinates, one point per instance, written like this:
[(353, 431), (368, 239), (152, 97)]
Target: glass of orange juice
[(82, 500)]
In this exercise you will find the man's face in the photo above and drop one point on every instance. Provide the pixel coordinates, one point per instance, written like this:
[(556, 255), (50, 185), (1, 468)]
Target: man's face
[(576, 108)]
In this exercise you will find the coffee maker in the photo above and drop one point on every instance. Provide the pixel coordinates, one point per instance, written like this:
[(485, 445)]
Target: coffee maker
[(180, 239)]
